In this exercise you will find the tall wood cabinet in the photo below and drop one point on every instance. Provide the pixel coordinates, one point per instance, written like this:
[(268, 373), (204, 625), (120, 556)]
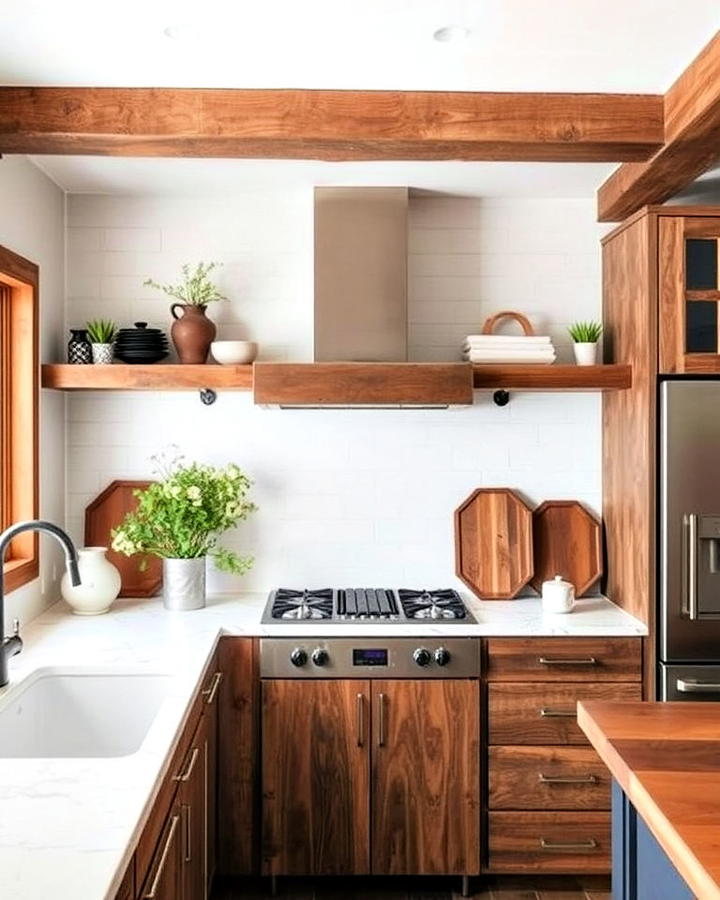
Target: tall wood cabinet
[(374, 777)]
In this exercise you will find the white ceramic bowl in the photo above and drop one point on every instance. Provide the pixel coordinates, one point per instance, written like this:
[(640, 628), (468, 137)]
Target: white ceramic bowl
[(234, 353)]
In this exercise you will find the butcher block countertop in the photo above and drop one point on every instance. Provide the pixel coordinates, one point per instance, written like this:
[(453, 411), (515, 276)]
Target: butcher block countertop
[(666, 757)]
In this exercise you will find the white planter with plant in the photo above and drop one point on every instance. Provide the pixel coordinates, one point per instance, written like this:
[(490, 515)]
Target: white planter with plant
[(179, 519), (585, 336), (192, 332), (101, 334)]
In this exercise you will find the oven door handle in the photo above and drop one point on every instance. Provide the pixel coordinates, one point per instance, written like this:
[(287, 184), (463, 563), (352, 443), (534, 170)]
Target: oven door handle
[(692, 686)]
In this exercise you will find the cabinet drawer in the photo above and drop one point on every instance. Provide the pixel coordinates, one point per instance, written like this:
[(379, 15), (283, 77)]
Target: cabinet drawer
[(538, 713), (549, 842), (563, 659), (558, 778)]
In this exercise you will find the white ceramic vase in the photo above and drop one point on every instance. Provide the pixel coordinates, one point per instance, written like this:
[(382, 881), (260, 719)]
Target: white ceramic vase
[(585, 354), (99, 583), (102, 354), (184, 584)]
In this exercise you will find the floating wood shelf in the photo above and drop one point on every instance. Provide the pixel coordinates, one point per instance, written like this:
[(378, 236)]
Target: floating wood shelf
[(551, 378), (161, 377), (157, 377)]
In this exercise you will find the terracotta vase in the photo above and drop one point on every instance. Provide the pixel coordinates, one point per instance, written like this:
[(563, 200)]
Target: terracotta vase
[(192, 333)]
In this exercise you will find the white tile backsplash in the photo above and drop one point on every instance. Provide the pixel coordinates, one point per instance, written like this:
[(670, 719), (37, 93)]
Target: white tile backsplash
[(343, 495)]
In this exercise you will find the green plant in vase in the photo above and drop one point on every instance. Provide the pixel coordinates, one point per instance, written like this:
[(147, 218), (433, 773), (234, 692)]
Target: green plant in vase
[(585, 336), (192, 332), (101, 334)]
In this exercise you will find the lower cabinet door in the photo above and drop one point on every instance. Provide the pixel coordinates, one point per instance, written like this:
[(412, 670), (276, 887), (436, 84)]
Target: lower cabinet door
[(425, 777), (192, 800), (164, 880), (315, 777)]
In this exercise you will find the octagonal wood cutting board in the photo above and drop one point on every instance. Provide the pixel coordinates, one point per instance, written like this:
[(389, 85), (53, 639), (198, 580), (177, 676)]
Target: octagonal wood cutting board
[(493, 543), (567, 540), (106, 512)]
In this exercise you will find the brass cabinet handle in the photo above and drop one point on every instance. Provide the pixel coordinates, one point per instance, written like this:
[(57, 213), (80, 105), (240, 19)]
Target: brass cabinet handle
[(185, 776), (187, 810), (567, 779), (547, 713), (567, 661), (360, 709), (381, 720), (590, 844), (209, 693), (152, 893)]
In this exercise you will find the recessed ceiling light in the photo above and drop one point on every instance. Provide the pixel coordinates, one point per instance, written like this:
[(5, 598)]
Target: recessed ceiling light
[(179, 32), (451, 34)]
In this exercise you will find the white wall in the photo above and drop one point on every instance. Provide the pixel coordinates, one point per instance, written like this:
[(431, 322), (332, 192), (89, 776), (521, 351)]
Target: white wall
[(33, 225), (345, 496)]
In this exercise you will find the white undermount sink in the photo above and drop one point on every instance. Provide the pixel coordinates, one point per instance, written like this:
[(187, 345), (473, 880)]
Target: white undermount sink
[(71, 712)]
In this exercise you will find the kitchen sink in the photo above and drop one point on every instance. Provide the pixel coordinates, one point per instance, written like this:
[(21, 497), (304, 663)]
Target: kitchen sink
[(72, 712)]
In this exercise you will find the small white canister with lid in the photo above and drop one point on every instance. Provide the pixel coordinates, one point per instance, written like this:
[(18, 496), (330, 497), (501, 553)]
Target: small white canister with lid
[(558, 595)]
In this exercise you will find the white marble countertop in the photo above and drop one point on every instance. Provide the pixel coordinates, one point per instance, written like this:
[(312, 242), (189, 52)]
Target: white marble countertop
[(68, 826)]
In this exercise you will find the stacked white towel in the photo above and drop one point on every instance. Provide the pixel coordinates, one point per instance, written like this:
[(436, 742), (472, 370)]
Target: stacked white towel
[(501, 348)]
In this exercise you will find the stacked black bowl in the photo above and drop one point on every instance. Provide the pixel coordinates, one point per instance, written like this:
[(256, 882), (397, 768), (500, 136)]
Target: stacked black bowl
[(141, 344)]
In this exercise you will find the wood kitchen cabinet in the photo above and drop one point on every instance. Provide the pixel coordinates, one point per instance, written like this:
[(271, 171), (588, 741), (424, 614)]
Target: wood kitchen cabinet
[(165, 877), (192, 798), (376, 777), (548, 802)]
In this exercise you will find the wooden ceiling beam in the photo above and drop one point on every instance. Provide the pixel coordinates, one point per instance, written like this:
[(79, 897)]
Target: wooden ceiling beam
[(330, 125), (691, 145)]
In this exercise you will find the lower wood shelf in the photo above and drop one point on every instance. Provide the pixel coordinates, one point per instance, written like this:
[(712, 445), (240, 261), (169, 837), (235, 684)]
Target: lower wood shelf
[(157, 377), (170, 377)]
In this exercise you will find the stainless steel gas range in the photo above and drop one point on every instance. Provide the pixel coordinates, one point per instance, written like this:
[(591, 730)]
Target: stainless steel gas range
[(384, 656)]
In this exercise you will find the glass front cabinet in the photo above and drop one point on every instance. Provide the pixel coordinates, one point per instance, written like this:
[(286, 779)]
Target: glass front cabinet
[(689, 294)]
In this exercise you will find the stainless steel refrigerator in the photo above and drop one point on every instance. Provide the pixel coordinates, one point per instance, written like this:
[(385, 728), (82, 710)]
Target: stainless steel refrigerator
[(689, 540)]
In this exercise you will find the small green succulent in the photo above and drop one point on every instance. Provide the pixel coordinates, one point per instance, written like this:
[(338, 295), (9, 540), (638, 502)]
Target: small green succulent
[(101, 331), (585, 332)]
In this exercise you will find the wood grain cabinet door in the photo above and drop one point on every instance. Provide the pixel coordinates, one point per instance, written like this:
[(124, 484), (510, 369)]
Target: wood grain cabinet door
[(315, 777), (192, 797), (425, 767), (164, 880)]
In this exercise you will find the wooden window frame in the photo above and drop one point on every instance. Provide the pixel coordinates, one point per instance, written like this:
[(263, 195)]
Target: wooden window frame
[(20, 399)]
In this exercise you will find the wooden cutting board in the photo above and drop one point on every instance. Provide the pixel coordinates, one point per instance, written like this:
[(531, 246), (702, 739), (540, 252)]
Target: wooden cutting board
[(493, 543), (106, 512), (567, 541)]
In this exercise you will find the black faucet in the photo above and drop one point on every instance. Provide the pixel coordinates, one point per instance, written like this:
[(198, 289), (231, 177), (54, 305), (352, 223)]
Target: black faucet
[(13, 645)]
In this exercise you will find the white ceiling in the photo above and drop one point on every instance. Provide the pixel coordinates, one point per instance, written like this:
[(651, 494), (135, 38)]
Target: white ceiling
[(514, 45)]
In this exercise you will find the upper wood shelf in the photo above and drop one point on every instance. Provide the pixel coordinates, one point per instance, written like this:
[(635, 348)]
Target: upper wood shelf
[(169, 377), (156, 377)]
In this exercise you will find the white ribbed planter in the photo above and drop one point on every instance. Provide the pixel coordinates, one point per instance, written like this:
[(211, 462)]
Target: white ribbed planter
[(585, 354), (184, 584)]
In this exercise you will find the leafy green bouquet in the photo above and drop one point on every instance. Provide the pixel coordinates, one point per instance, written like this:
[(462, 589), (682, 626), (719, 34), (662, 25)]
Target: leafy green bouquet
[(181, 515), (195, 288)]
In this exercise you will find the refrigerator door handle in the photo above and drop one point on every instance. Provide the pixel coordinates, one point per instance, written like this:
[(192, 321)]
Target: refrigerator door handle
[(692, 686), (689, 565)]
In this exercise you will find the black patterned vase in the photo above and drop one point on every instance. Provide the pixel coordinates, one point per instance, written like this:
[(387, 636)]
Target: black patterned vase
[(79, 349)]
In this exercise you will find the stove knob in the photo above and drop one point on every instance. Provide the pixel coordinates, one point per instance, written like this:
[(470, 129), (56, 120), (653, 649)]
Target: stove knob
[(298, 657), (319, 656), (422, 657), (442, 656)]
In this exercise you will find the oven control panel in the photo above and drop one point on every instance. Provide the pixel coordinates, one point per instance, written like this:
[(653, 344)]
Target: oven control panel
[(436, 657)]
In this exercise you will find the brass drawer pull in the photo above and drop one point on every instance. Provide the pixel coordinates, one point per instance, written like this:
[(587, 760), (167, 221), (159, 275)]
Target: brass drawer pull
[(547, 713), (360, 720), (188, 832), (190, 766), (209, 693), (569, 661), (381, 720), (152, 893), (567, 779), (590, 844)]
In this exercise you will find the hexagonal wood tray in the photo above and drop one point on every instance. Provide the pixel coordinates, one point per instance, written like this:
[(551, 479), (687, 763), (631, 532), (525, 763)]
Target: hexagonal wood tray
[(106, 512), (567, 541), (493, 543)]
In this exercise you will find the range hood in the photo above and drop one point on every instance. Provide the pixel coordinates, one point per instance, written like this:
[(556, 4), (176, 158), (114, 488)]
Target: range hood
[(360, 315)]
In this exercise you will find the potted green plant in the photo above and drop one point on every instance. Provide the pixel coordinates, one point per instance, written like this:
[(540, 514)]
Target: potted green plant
[(101, 334), (179, 518), (585, 336), (192, 332)]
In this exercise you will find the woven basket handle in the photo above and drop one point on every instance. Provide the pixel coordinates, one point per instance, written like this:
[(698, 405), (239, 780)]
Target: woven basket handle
[(524, 322)]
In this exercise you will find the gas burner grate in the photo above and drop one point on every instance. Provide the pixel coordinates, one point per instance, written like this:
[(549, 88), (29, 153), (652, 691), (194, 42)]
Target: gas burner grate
[(437, 604), (290, 604)]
